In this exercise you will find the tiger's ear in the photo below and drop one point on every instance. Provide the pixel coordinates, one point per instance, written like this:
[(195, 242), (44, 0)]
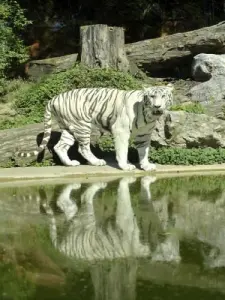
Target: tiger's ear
[(171, 86), (146, 87)]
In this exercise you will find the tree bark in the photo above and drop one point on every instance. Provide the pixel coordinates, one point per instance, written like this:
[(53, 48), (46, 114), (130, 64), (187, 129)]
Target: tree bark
[(175, 52), (103, 46)]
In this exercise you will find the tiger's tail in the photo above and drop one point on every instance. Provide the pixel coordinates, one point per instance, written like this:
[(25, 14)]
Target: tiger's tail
[(47, 134)]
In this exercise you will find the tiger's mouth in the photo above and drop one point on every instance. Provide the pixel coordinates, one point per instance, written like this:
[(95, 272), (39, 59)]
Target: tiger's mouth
[(157, 112)]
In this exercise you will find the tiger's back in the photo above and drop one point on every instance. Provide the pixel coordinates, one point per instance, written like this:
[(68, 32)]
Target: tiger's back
[(99, 106)]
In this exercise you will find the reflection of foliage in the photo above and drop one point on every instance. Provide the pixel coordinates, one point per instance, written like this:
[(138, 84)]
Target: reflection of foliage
[(28, 259), (205, 187), (13, 282)]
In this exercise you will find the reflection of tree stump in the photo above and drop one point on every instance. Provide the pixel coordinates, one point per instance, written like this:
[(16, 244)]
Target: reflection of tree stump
[(103, 46)]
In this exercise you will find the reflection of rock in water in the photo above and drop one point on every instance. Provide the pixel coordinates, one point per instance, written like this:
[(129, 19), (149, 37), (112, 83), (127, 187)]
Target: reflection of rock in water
[(204, 221), (167, 247), (191, 218)]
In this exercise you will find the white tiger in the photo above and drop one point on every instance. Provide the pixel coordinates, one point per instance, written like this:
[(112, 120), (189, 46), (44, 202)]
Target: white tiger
[(120, 112)]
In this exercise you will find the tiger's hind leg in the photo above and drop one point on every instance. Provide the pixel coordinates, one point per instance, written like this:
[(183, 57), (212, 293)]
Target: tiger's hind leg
[(85, 151), (83, 138), (62, 147)]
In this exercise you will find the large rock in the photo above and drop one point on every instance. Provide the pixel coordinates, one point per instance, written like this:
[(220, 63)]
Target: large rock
[(205, 66), (175, 52), (177, 129), (188, 130), (210, 91), (210, 70), (208, 230), (38, 68), (215, 109)]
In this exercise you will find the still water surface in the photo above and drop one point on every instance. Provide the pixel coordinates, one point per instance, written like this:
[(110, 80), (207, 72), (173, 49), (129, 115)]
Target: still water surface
[(126, 239)]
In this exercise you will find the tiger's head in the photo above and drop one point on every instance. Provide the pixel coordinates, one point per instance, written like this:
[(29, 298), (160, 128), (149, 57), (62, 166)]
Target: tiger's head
[(157, 99)]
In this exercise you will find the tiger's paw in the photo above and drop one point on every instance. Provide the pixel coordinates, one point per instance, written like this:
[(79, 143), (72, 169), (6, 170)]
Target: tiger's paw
[(73, 163), (99, 162), (127, 167), (148, 167)]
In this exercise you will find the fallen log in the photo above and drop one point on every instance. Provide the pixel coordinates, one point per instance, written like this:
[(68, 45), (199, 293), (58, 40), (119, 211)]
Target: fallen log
[(174, 53)]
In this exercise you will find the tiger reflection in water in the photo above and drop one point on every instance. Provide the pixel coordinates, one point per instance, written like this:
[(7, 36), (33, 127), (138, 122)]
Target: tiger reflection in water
[(114, 247), (85, 238)]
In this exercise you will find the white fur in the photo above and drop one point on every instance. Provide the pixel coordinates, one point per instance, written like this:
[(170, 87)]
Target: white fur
[(122, 112)]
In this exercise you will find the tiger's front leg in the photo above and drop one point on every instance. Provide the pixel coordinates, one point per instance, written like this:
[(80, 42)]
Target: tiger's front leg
[(121, 135), (142, 143)]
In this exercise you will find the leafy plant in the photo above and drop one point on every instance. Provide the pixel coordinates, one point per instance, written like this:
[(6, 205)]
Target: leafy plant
[(106, 143), (44, 163), (194, 107), (183, 156), (12, 89), (30, 102), (19, 121), (12, 50)]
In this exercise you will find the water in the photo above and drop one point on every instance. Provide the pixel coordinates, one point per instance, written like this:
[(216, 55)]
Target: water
[(125, 239)]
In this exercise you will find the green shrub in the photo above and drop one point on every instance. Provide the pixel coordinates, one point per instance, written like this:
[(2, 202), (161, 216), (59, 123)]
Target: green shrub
[(19, 121), (173, 156), (33, 100), (194, 156), (12, 50), (12, 89), (194, 107)]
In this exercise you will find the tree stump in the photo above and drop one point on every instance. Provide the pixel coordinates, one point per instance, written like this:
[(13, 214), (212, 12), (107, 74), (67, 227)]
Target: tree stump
[(103, 46)]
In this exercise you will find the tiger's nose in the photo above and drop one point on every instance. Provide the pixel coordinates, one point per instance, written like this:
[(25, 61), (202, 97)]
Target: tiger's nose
[(157, 106)]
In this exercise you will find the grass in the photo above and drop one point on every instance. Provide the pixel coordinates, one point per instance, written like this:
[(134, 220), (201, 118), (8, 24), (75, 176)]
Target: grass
[(13, 89)]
